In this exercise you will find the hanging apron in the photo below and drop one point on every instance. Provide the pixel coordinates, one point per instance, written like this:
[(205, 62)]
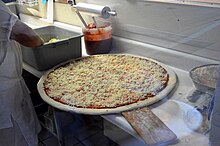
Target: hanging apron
[(15, 100)]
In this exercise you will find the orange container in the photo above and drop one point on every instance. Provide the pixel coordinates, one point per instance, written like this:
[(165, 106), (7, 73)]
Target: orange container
[(98, 40)]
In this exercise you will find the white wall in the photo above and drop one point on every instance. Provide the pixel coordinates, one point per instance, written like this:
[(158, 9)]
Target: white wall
[(186, 28)]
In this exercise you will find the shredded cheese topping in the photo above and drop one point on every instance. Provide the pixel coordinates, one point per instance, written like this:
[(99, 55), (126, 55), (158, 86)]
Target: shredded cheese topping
[(105, 81)]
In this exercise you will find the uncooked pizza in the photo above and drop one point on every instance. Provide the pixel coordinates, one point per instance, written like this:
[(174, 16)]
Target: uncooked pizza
[(107, 82)]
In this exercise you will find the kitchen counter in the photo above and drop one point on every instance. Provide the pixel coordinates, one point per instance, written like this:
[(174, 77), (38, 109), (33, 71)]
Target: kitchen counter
[(184, 122), (184, 111), (177, 112)]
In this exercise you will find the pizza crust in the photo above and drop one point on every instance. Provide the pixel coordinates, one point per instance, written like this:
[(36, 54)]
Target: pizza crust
[(162, 94)]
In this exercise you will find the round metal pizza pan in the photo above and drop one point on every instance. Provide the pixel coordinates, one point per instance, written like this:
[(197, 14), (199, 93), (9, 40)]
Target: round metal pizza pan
[(163, 94)]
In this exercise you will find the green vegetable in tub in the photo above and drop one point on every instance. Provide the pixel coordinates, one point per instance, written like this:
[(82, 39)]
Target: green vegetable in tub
[(53, 40)]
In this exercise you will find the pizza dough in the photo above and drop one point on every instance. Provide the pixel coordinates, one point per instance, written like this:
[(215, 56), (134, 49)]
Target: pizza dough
[(102, 84)]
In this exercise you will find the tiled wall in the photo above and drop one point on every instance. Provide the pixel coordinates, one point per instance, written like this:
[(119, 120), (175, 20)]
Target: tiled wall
[(177, 26)]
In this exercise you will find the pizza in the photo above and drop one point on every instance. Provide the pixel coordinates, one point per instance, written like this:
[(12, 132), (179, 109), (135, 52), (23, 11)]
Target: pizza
[(106, 82)]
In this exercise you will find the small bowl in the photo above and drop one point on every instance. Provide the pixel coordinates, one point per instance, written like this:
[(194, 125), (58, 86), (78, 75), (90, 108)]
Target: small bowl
[(205, 77)]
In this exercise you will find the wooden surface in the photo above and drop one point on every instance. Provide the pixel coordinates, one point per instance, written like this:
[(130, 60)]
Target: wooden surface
[(149, 127)]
